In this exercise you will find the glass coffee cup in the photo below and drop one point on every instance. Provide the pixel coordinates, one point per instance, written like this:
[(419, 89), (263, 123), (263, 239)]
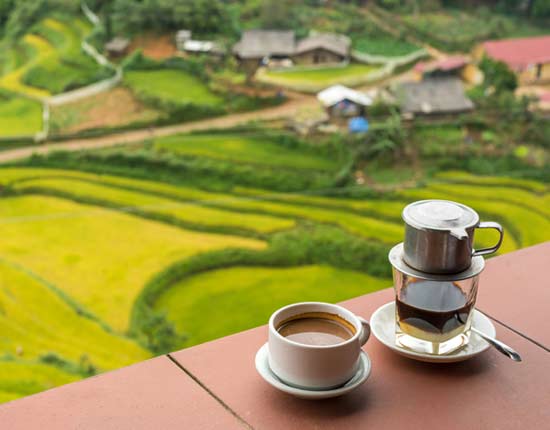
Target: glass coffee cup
[(433, 312)]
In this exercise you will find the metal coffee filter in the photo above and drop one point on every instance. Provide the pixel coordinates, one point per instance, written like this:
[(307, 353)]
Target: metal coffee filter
[(439, 215)]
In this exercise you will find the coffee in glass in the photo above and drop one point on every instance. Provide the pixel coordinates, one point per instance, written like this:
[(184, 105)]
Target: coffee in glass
[(433, 312)]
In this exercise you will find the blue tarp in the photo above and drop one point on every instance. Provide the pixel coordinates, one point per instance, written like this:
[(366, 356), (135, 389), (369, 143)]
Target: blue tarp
[(358, 125)]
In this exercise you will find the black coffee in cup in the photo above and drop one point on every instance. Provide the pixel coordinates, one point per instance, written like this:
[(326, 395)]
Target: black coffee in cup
[(433, 310), (317, 328)]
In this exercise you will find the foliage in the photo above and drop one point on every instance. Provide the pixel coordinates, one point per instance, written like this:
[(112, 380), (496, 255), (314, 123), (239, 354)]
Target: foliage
[(84, 367), (378, 43), (497, 75), (278, 14), (159, 334), (310, 244), (23, 15), (152, 166), (200, 16), (383, 141)]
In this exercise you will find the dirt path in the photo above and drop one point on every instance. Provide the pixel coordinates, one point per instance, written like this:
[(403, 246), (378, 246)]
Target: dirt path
[(286, 110)]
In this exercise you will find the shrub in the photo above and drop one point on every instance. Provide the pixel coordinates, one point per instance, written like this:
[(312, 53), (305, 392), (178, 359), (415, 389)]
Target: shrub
[(308, 244)]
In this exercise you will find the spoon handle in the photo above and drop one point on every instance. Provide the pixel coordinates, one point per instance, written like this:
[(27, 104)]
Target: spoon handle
[(501, 347)]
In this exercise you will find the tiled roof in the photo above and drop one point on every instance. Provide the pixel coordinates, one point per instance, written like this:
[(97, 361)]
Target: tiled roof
[(445, 65), (336, 43), (262, 43), (442, 95), (520, 53)]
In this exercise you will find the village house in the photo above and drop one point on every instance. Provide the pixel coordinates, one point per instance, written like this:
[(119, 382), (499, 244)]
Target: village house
[(185, 43), (256, 47), (340, 101), (182, 36), (117, 47), (434, 96), (528, 57), (455, 66), (280, 48), (322, 48)]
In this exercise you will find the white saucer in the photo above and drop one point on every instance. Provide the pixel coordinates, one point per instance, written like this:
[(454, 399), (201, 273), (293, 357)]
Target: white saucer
[(262, 366), (382, 324)]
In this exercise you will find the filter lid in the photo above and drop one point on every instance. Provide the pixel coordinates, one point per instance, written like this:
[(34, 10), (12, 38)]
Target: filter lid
[(439, 215), (397, 261)]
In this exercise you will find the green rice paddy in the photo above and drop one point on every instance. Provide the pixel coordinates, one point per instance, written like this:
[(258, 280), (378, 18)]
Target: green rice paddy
[(245, 297), (170, 85), (244, 149), (78, 248)]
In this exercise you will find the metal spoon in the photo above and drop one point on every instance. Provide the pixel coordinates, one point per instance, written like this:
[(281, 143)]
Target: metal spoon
[(501, 347)]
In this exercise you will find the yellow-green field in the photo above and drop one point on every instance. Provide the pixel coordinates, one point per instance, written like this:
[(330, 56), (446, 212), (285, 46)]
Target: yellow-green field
[(78, 249), (315, 79), (35, 319), (245, 297), (86, 250), (20, 378)]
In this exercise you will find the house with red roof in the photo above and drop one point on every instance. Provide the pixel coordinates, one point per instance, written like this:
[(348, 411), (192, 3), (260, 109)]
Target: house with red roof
[(529, 57), (457, 66)]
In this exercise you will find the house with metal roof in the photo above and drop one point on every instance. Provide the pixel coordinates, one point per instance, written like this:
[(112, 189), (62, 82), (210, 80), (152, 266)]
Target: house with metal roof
[(435, 96), (529, 57), (117, 47), (341, 101)]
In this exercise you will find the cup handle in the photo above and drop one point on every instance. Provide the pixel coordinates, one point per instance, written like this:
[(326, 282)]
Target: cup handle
[(365, 331), (496, 226)]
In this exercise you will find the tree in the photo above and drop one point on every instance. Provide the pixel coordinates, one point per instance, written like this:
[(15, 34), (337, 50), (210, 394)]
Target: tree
[(497, 75), (200, 16), (159, 334), (277, 14), (23, 16)]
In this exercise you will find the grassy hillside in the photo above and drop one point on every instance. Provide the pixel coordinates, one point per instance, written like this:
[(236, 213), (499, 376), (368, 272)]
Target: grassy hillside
[(245, 297), (139, 266), (20, 378), (48, 59), (19, 116), (91, 248), (241, 148), (173, 86), (37, 319)]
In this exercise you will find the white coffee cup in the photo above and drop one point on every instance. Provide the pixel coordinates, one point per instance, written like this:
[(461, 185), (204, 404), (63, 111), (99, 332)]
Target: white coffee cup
[(315, 367)]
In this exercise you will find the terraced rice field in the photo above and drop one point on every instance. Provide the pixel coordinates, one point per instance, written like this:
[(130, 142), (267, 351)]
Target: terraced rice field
[(36, 318), (48, 59), (65, 66), (20, 378), (91, 248), (256, 292), (19, 116), (170, 85), (189, 213), (315, 79), (244, 149), (78, 248)]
